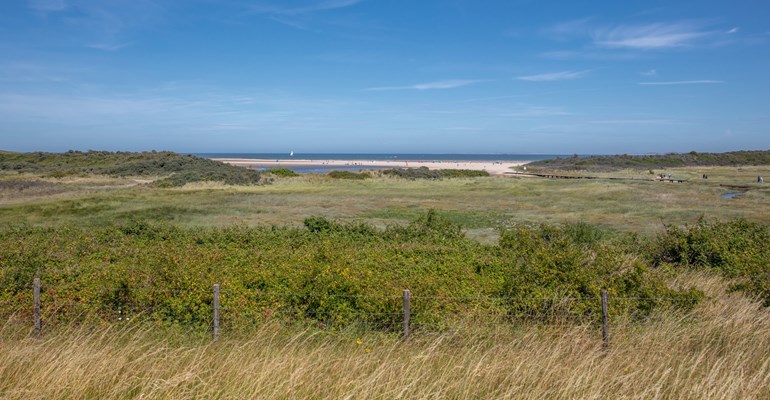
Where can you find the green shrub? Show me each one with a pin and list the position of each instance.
(427, 173)
(555, 273)
(462, 173)
(318, 224)
(737, 249)
(413, 173)
(348, 175)
(282, 172)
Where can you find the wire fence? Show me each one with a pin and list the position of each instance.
(223, 311)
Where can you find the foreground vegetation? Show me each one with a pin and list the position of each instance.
(332, 274)
(338, 275)
(721, 352)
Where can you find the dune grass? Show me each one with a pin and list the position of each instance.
(720, 352)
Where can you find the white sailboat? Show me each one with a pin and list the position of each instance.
(291, 154)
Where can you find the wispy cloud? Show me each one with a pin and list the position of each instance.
(554, 76)
(636, 122)
(290, 22)
(308, 8)
(47, 5)
(102, 25)
(697, 82)
(108, 46)
(24, 71)
(649, 36)
(537, 111)
(651, 72)
(569, 29)
(447, 84)
(601, 55)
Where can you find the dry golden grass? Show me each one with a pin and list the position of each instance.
(721, 351)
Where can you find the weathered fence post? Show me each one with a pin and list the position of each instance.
(36, 301)
(407, 315)
(605, 322)
(216, 311)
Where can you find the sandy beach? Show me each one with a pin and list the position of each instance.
(492, 167)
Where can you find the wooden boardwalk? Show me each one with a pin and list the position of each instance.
(609, 178)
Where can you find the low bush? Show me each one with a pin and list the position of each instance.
(348, 175)
(737, 249)
(282, 172)
(427, 173)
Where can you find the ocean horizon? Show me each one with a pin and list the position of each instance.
(417, 157)
(385, 156)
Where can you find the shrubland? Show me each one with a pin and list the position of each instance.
(336, 274)
(172, 169)
(653, 161)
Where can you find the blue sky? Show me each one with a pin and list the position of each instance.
(451, 76)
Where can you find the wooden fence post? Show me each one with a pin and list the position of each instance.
(216, 311)
(605, 322)
(36, 301)
(407, 314)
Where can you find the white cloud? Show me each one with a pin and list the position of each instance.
(651, 72)
(698, 82)
(554, 76)
(650, 36)
(303, 9)
(447, 84)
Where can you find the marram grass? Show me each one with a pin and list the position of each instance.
(721, 351)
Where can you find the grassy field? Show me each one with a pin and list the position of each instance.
(480, 205)
(716, 350)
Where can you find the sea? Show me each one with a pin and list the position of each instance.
(376, 157)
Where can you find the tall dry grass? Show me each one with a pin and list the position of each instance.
(720, 351)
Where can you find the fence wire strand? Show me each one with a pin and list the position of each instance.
(242, 310)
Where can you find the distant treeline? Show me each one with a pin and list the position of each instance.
(599, 163)
(176, 169)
